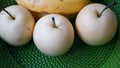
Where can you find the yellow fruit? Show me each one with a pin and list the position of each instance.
(38, 15)
(64, 7)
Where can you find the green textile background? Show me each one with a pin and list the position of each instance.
(79, 56)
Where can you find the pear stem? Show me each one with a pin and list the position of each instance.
(8, 14)
(53, 19)
(108, 6)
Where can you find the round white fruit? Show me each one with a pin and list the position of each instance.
(53, 38)
(94, 29)
(17, 31)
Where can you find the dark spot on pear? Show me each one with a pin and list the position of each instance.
(28, 29)
(20, 39)
(61, 0)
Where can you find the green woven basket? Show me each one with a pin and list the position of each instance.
(79, 56)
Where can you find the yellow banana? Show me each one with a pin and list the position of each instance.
(64, 7)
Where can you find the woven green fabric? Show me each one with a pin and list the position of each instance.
(79, 56)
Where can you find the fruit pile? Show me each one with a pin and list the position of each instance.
(49, 25)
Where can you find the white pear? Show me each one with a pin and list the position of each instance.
(16, 25)
(96, 28)
(53, 35)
